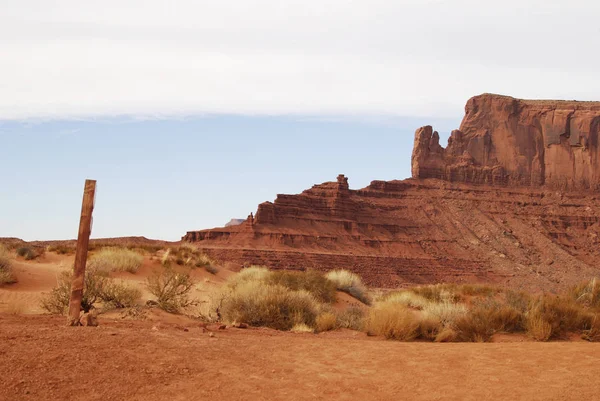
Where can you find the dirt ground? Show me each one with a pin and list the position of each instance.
(42, 359)
(173, 357)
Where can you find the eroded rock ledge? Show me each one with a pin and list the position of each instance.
(507, 141)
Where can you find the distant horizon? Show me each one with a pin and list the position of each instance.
(133, 161)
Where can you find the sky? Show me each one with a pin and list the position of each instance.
(189, 113)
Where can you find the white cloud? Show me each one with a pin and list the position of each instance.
(66, 59)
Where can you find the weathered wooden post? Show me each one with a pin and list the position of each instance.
(83, 240)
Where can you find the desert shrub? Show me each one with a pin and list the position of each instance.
(119, 295)
(406, 298)
(351, 318)
(587, 293)
(211, 269)
(311, 281)
(561, 315)
(27, 253)
(326, 321)
(171, 289)
(6, 273)
(57, 301)
(116, 259)
(350, 283)
(302, 328)
(258, 304)
(445, 311)
(393, 322)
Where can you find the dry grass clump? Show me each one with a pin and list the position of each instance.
(551, 317)
(407, 298)
(252, 273)
(593, 333)
(446, 335)
(326, 321)
(302, 328)
(445, 311)
(116, 259)
(538, 328)
(311, 281)
(275, 306)
(61, 249)
(587, 294)
(171, 289)
(350, 283)
(351, 318)
(438, 316)
(6, 274)
(454, 292)
(393, 322)
(203, 260)
(487, 318)
(437, 292)
(187, 254)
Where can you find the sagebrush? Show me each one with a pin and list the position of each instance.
(171, 289)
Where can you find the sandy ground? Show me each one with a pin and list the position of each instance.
(173, 357)
(41, 359)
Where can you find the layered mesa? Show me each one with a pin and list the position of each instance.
(511, 200)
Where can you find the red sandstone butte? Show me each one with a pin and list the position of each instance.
(512, 200)
(507, 141)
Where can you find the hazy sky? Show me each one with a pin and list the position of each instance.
(191, 112)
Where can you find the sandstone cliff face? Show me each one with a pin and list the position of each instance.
(411, 232)
(507, 141)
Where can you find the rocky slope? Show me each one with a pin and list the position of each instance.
(511, 200)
